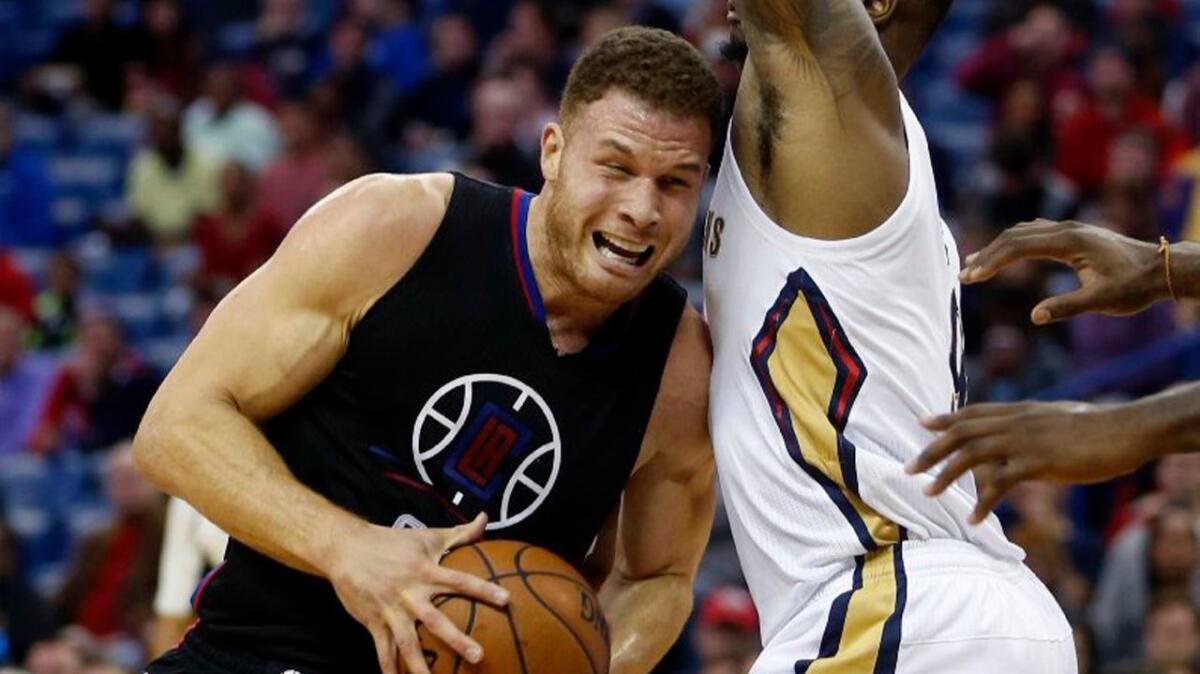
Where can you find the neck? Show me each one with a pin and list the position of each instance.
(571, 316)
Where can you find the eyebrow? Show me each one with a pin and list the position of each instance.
(691, 166)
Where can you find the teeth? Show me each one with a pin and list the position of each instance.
(635, 248)
(612, 254)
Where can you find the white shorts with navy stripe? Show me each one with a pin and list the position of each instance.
(925, 608)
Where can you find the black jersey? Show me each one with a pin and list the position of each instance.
(451, 400)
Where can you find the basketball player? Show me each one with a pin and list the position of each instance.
(832, 295)
(1004, 444)
(433, 351)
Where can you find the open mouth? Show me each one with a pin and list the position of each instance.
(632, 254)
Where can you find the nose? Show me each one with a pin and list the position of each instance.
(641, 206)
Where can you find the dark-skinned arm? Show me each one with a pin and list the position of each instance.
(1118, 275)
(1073, 443)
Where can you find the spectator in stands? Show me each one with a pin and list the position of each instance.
(170, 183)
(347, 161)
(56, 306)
(16, 291)
(24, 617)
(101, 51)
(1171, 639)
(109, 589)
(493, 151)
(1063, 555)
(287, 43)
(1016, 184)
(1085, 140)
(226, 125)
(398, 46)
(99, 396)
(727, 637)
(1042, 47)
(297, 179)
(238, 236)
(173, 50)
(26, 191)
(24, 383)
(530, 36)
(1145, 561)
(54, 657)
(1149, 31)
(443, 98)
(364, 96)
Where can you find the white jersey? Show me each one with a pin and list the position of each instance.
(827, 353)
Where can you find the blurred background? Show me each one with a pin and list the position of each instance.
(154, 152)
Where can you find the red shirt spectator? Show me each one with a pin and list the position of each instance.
(97, 399)
(1040, 48)
(238, 237)
(1085, 140)
(297, 180)
(15, 289)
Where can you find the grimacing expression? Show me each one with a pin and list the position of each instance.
(626, 186)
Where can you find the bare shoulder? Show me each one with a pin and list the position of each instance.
(359, 240)
(678, 430)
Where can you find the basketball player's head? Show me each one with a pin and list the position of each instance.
(905, 27)
(625, 163)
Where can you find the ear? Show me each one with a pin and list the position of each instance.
(553, 144)
(881, 11)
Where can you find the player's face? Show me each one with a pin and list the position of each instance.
(626, 186)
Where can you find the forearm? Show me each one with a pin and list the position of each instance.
(646, 617)
(1185, 271)
(219, 461)
(1170, 421)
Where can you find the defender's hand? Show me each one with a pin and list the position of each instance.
(1004, 444)
(1118, 276)
(387, 579)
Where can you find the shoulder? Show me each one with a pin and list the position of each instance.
(357, 242)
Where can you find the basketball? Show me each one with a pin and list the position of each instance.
(552, 624)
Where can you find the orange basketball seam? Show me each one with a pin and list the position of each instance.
(538, 598)
(512, 626)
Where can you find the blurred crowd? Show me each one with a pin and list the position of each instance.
(154, 152)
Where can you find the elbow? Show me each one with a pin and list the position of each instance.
(148, 444)
(158, 442)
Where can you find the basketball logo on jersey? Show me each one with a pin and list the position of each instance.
(491, 442)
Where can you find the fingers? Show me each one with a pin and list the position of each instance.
(992, 491)
(465, 533)
(976, 453)
(943, 422)
(441, 627)
(1040, 240)
(385, 649)
(404, 633)
(1065, 306)
(468, 585)
(961, 428)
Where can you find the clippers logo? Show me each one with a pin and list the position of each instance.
(492, 442)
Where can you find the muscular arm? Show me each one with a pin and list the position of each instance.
(817, 111)
(1004, 444)
(274, 338)
(271, 341)
(1117, 275)
(666, 513)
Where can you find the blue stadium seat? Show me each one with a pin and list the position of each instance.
(120, 270)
